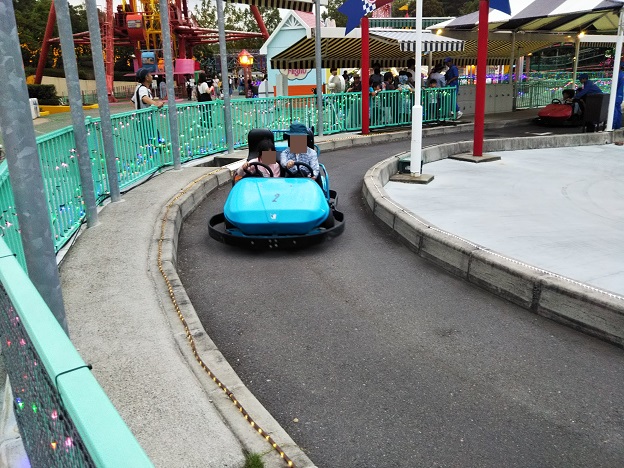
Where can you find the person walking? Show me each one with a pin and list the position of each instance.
(452, 79)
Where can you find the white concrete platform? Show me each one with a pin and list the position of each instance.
(559, 209)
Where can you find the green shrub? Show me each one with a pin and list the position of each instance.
(45, 94)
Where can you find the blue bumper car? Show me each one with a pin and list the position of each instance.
(278, 212)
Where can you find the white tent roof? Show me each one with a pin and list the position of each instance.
(552, 15)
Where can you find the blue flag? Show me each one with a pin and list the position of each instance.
(501, 5)
(355, 10)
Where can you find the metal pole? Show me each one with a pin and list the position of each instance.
(511, 68)
(319, 65)
(616, 72)
(417, 110)
(227, 106)
(364, 77)
(77, 115)
(171, 105)
(577, 50)
(102, 96)
(22, 158)
(482, 55)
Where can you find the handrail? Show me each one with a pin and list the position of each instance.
(62, 411)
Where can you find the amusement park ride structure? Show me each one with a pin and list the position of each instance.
(137, 24)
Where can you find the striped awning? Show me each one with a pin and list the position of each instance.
(430, 42)
(297, 5)
(340, 52)
(389, 48)
(548, 16)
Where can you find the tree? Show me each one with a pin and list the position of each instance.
(469, 7)
(431, 8)
(236, 19)
(333, 13)
(31, 17)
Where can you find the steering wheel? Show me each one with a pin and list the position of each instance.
(298, 165)
(257, 173)
(556, 101)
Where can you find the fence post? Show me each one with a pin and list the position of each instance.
(77, 115)
(25, 170)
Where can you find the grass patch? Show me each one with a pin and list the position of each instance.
(253, 460)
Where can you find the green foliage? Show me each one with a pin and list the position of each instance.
(333, 13)
(45, 94)
(236, 19)
(253, 460)
(431, 8)
(469, 7)
(31, 17)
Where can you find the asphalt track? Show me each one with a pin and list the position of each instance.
(369, 356)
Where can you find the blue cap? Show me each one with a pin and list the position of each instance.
(297, 128)
(447, 59)
(583, 76)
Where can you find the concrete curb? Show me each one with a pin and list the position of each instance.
(249, 438)
(580, 306)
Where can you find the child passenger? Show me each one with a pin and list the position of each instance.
(568, 98)
(267, 156)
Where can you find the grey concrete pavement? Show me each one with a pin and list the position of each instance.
(559, 209)
(123, 322)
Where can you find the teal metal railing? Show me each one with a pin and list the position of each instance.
(142, 144)
(64, 416)
(539, 93)
(142, 140)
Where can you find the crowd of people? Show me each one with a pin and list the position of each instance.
(444, 74)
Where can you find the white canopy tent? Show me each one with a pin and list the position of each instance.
(555, 20)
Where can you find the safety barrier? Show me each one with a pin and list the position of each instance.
(142, 142)
(64, 416)
(539, 93)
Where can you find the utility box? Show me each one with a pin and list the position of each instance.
(34, 108)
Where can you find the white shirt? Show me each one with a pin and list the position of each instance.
(143, 91)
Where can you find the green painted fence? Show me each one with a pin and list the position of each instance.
(64, 417)
(142, 143)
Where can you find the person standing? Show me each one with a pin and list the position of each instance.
(589, 87)
(162, 87)
(154, 85)
(356, 87)
(190, 84)
(452, 79)
(336, 83)
(619, 98)
(376, 78)
(436, 74)
(142, 97)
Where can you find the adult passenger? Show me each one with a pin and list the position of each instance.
(299, 151)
